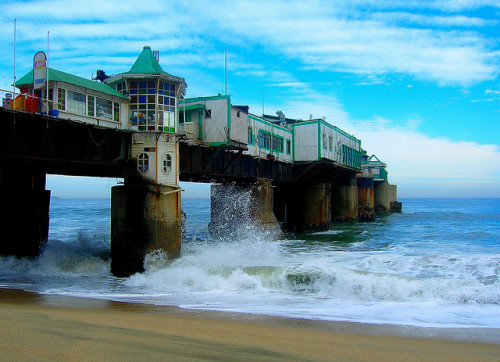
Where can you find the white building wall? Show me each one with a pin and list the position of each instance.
(146, 143)
(239, 126)
(216, 127)
(306, 141)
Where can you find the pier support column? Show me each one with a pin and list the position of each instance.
(304, 207)
(144, 218)
(366, 199)
(24, 212)
(382, 196)
(235, 205)
(345, 203)
(395, 205)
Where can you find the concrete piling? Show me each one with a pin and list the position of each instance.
(233, 205)
(304, 207)
(144, 218)
(345, 203)
(24, 212)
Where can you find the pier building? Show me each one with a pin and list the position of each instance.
(138, 125)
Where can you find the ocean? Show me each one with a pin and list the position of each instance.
(437, 264)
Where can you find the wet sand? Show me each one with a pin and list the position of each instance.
(41, 327)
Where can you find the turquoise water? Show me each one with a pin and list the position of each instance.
(435, 265)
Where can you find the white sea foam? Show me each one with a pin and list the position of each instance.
(362, 276)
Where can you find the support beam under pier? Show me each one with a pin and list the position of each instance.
(144, 218)
(24, 212)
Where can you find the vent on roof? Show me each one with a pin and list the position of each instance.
(156, 54)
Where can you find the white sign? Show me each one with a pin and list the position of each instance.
(39, 70)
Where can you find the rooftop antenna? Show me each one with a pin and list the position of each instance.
(225, 71)
(263, 101)
(14, 84)
(47, 70)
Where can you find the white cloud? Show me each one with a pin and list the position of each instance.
(432, 20)
(424, 166)
(329, 36)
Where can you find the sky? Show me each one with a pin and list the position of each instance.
(417, 81)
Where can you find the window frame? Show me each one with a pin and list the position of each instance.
(143, 162)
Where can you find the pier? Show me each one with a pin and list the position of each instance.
(138, 125)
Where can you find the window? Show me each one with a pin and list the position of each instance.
(167, 163)
(324, 140)
(238, 114)
(143, 162)
(143, 102)
(90, 106)
(208, 113)
(121, 87)
(264, 139)
(61, 99)
(104, 108)
(76, 102)
(250, 136)
(330, 143)
(288, 146)
(167, 119)
(277, 143)
(116, 111)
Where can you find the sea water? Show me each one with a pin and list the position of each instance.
(437, 264)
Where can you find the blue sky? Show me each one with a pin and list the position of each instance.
(417, 81)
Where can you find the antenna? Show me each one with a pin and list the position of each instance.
(263, 101)
(14, 86)
(225, 71)
(47, 70)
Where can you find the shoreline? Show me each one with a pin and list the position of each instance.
(103, 330)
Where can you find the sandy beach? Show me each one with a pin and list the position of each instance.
(41, 327)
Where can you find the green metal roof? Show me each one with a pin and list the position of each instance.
(191, 107)
(375, 161)
(58, 76)
(146, 63)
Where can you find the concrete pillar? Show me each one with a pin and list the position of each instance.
(393, 193)
(395, 206)
(366, 199)
(304, 207)
(345, 203)
(144, 218)
(382, 197)
(261, 207)
(237, 205)
(24, 212)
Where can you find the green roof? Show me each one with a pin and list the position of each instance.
(374, 160)
(146, 63)
(191, 107)
(58, 76)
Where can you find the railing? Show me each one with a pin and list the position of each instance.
(33, 104)
(27, 103)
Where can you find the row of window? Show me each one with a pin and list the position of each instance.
(351, 157)
(87, 105)
(328, 145)
(143, 162)
(269, 141)
(149, 105)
